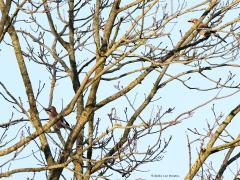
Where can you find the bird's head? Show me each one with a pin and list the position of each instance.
(194, 20)
(51, 109)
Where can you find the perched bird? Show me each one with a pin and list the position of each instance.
(62, 123)
(201, 24)
(204, 29)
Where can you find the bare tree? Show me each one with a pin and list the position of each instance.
(102, 54)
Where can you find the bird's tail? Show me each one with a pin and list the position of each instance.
(66, 125)
(216, 35)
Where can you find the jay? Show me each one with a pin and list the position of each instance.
(62, 123)
(204, 29)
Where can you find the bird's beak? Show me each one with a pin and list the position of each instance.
(46, 109)
(190, 21)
